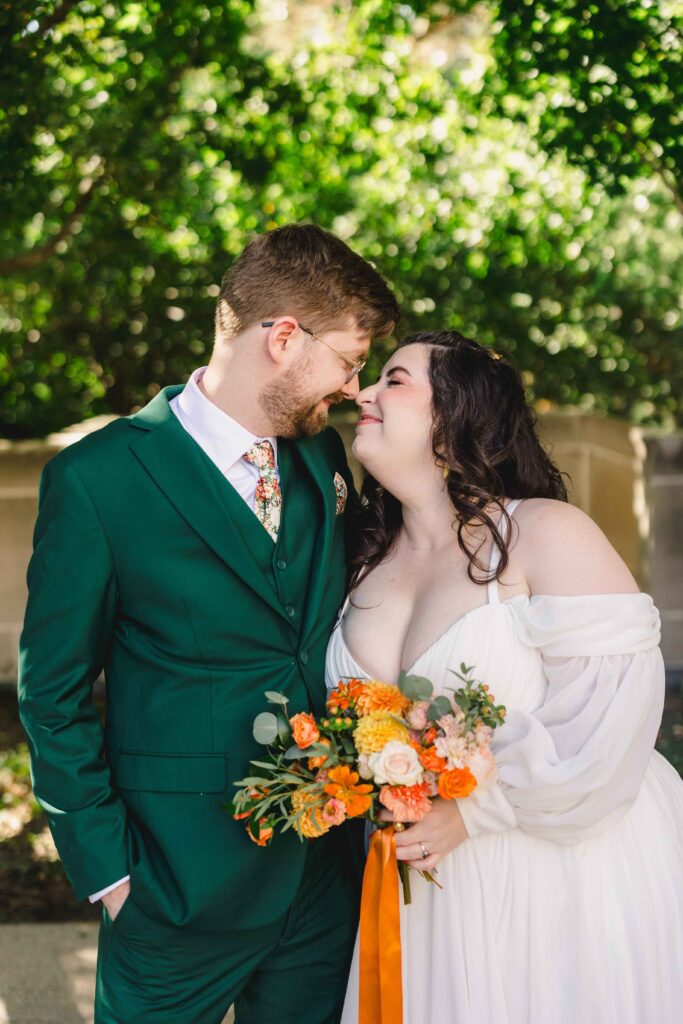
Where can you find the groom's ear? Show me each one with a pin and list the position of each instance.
(283, 339)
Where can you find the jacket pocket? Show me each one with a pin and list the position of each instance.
(171, 773)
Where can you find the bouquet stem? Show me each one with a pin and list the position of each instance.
(404, 873)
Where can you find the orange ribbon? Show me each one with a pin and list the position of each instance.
(381, 990)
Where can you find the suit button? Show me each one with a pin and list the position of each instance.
(281, 564)
(291, 610)
(303, 657)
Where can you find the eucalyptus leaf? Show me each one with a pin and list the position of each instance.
(265, 728)
(439, 707)
(284, 729)
(276, 698)
(294, 752)
(415, 687)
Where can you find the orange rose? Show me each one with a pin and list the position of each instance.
(304, 730)
(344, 786)
(457, 782)
(430, 735)
(318, 762)
(431, 760)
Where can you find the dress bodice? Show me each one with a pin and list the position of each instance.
(485, 637)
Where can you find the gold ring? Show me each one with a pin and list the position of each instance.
(399, 826)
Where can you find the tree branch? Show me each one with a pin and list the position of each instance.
(58, 15)
(42, 252)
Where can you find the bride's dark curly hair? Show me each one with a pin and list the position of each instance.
(484, 431)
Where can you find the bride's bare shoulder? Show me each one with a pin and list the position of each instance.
(563, 551)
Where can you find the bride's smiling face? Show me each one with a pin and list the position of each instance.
(394, 432)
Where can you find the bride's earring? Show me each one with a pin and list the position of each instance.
(445, 469)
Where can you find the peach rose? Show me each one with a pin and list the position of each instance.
(304, 730)
(417, 716)
(397, 764)
(482, 764)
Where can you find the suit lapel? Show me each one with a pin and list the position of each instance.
(310, 452)
(194, 486)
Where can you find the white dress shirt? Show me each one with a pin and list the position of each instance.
(225, 441)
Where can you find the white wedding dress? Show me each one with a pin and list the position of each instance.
(565, 905)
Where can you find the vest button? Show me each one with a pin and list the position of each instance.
(281, 564)
(291, 610)
(303, 657)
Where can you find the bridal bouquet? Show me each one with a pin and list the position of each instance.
(378, 746)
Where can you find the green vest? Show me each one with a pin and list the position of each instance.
(148, 565)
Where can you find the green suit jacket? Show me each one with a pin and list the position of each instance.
(148, 565)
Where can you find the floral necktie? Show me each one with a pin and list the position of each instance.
(268, 505)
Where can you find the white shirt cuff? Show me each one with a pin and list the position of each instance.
(103, 892)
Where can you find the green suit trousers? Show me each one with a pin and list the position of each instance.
(292, 971)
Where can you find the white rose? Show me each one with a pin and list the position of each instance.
(364, 769)
(396, 765)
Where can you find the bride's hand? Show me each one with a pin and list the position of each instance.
(439, 832)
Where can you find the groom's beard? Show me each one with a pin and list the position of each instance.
(289, 407)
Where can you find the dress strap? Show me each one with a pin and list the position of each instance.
(492, 587)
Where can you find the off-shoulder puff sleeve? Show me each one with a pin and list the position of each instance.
(574, 766)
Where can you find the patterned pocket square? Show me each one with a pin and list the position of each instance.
(342, 492)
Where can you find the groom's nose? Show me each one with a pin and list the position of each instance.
(351, 389)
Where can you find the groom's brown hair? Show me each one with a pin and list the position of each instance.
(309, 273)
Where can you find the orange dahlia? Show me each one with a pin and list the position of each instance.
(344, 785)
(378, 696)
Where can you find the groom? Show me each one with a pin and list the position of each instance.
(195, 553)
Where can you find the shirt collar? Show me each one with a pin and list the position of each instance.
(223, 439)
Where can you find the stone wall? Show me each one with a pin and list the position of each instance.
(629, 482)
(663, 539)
(21, 463)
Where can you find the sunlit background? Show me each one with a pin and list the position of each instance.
(513, 168)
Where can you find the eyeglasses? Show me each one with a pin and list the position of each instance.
(356, 364)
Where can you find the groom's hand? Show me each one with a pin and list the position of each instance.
(115, 899)
(437, 834)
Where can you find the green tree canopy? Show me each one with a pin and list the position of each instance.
(145, 144)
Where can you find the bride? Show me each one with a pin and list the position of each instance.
(562, 896)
